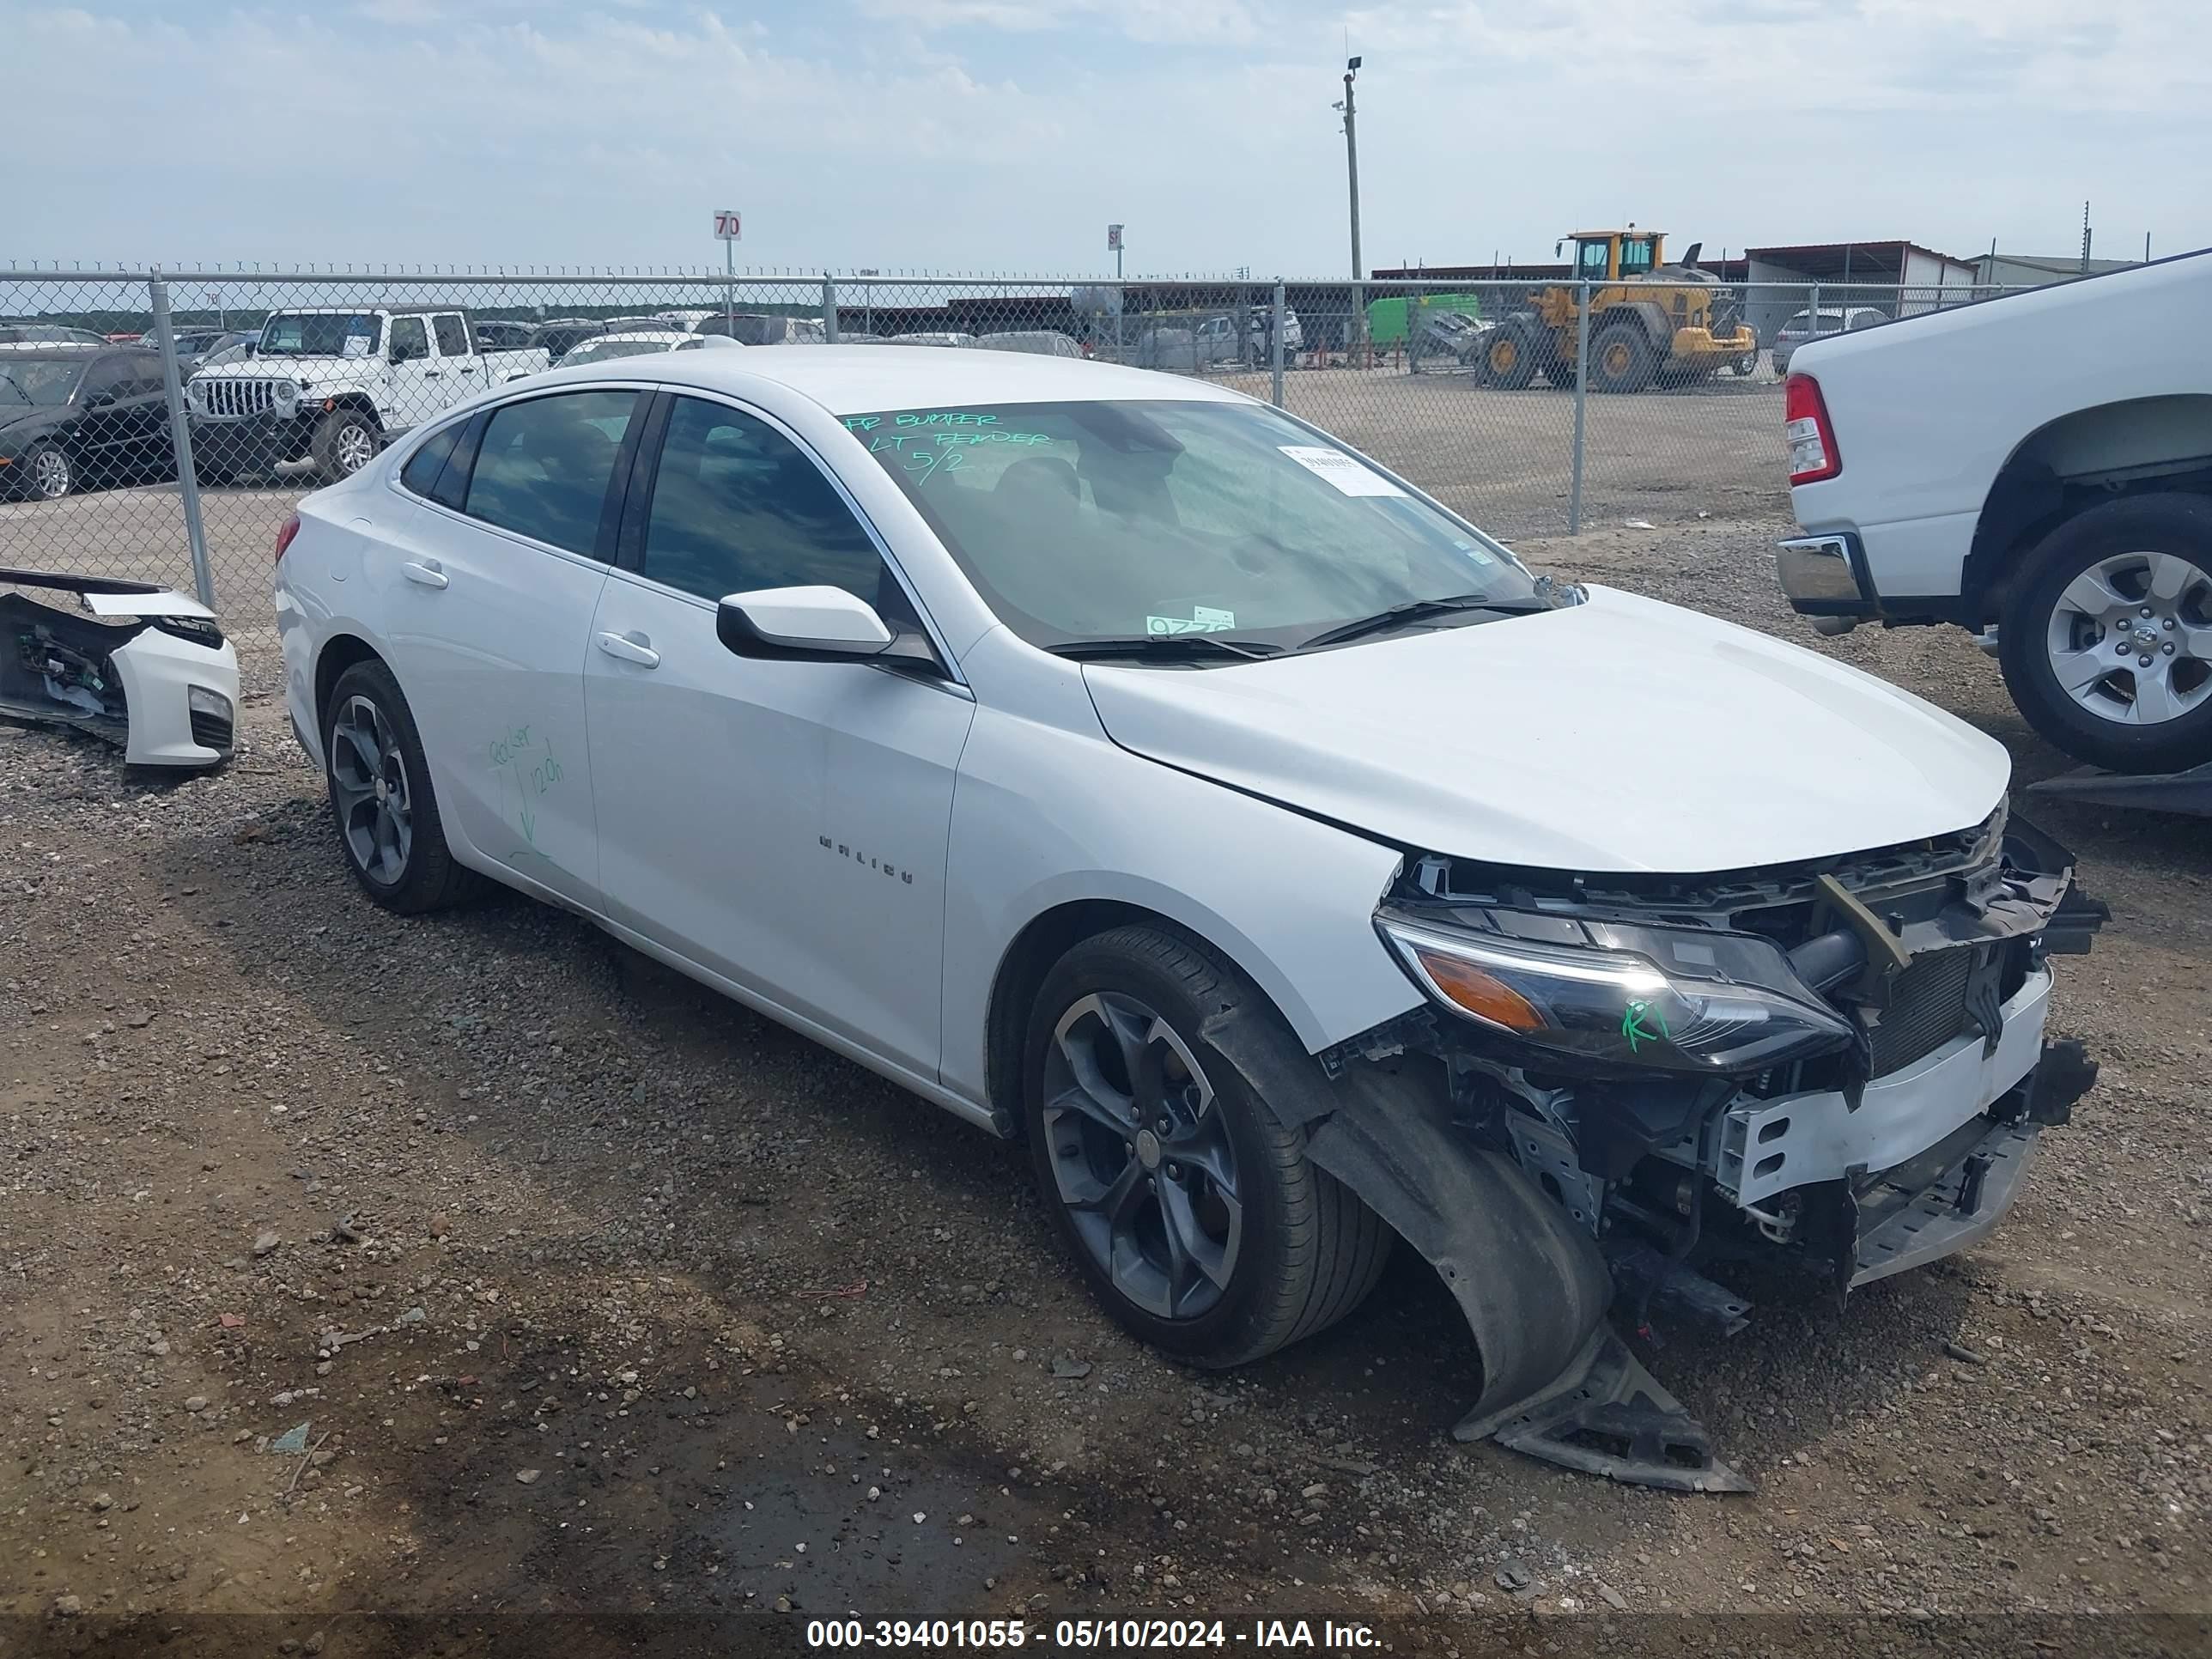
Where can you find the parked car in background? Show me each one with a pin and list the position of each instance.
(934, 337)
(687, 319)
(195, 346)
(333, 383)
(74, 418)
(758, 328)
(31, 332)
(1056, 740)
(2037, 468)
(557, 337)
(642, 342)
(1041, 342)
(504, 334)
(1833, 319)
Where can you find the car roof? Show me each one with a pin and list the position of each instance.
(70, 351)
(854, 379)
(636, 334)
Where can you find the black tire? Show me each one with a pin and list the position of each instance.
(1511, 355)
(426, 876)
(2176, 525)
(1305, 1251)
(1622, 358)
(345, 440)
(48, 472)
(1745, 365)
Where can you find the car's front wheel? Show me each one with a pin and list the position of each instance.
(49, 472)
(2106, 635)
(381, 799)
(1191, 1212)
(345, 440)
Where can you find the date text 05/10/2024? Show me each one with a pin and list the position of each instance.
(1086, 1635)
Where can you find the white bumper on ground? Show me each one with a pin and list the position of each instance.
(182, 698)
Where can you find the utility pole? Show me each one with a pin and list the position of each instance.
(1358, 329)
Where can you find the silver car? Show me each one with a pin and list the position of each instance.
(1834, 320)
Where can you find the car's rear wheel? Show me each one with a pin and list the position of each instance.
(51, 475)
(381, 798)
(1190, 1211)
(2106, 635)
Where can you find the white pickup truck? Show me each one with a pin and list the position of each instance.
(2036, 468)
(333, 383)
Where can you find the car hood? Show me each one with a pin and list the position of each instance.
(1616, 735)
(290, 368)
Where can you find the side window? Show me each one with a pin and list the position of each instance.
(106, 380)
(542, 466)
(1635, 255)
(452, 338)
(736, 506)
(409, 339)
(420, 475)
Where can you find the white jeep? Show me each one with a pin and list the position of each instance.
(332, 384)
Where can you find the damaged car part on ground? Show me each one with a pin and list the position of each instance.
(147, 669)
(1121, 764)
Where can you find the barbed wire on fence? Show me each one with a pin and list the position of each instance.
(1488, 394)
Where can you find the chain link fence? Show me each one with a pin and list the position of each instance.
(1508, 400)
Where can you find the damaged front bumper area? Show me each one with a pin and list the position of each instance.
(1624, 1080)
(137, 665)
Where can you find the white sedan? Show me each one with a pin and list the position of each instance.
(1116, 761)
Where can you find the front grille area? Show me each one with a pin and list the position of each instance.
(211, 731)
(233, 400)
(1927, 1008)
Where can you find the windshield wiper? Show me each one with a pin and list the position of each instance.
(14, 385)
(1415, 610)
(1164, 647)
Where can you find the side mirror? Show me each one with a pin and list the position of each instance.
(812, 624)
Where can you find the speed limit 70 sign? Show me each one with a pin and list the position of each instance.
(726, 225)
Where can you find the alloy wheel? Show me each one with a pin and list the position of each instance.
(368, 775)
(50, 475)
(1140, 1149)
(355, 448)
(2130, 638)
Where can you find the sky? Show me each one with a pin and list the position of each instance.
(1003, 135)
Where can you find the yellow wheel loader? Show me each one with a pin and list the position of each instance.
(1650, 323)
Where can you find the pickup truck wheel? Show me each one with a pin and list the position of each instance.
(2106, 637)
(1191, 1213)
(345, 442)
(1622, 359)
(381, 799)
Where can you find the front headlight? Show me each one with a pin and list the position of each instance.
(286, 391)
(1684, 999)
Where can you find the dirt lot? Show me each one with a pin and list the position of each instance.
(600, 1311)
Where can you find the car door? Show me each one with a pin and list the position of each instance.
(143, 405)
(98, 436)
(413, 393)
(486, 595)
(460, 367)
(781, 824)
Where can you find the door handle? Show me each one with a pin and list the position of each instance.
(427, 573)
(630, 647)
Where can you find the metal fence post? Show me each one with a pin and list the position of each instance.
(828, 308)
(1582, 398)
(1813, 314)
(180, 440)
(1275, 346)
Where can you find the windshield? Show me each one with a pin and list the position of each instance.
(1109, 521)
(319, 334)
(592, 350)
(45, 380)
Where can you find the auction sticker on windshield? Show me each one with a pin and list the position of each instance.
(1340, 469)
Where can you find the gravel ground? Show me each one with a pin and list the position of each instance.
(474, 1269)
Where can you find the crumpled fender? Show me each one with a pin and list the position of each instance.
(1534, 1287)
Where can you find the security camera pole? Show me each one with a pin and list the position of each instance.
(1358, 330)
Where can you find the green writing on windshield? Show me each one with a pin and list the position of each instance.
(940, 417)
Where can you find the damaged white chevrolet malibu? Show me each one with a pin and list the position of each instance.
(1125, 764)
